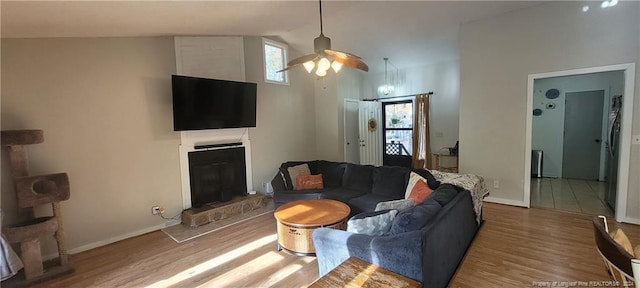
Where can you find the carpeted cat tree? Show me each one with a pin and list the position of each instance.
(32, 191)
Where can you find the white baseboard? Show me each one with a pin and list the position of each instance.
(505, 201)
(113, 239)
(631, 220)
(122, 237)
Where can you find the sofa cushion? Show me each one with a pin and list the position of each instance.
(305, 182)
(444, 194)
(368, 202)
(331, 173)
(433, 183)
(358, 177)
(389, 180)
(399, 205)
(313, 168)
(415, 218)
(372, 223)
(299, 170)
(341, 194)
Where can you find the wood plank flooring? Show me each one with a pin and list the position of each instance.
(242, 255)
(515, 247)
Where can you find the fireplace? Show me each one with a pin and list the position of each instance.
(217, 175)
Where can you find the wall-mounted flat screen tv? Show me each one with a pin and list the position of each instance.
(201, 103)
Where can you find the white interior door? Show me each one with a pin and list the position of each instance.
(351, 131)
(370, 115)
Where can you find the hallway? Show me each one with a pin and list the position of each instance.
(573, 195)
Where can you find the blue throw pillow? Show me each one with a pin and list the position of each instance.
(372, 223)
(415, 218)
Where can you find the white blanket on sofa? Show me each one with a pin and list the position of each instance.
(10, 263)
(474, 183)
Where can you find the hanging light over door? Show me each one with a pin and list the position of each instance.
(386, 88)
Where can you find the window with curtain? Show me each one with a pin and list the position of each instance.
(398, 128)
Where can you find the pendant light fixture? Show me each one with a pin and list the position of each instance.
(386, 88)
(325, 58)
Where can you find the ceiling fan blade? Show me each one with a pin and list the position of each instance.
(299, 60)
(354, 63)
(357, 63)
(348, 59)
(341, 54)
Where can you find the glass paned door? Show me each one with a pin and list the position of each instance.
(398, 133)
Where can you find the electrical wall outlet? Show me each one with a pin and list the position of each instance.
(496, 184)
(155, 210)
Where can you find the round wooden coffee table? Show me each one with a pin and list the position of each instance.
(297, 220)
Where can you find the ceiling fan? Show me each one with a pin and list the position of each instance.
(325, 58)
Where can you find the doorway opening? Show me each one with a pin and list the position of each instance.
(575, 160)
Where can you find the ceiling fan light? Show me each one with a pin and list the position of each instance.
(309, 65)
(324, 64)
(321, 72)
(336, 66)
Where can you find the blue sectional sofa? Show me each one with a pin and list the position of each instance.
(427, 242)
(359, 186)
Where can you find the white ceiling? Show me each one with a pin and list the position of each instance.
(409, 33)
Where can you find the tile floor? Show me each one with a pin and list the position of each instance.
(580, 196)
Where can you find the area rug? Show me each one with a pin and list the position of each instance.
(181, 233)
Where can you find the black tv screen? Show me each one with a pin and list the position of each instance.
(201, 103)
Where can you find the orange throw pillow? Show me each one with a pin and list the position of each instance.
(304, 182)
(420, 192)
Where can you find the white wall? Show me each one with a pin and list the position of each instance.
(441, 78)
(499, 53)
(285, 127)
(330, 92)
(548, 128)
(326, 118)
(349, 87)
(105, 108)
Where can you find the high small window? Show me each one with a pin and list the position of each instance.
(275, 59)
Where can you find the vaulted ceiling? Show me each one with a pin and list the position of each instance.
(409, 33)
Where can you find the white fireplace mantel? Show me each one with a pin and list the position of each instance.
(191, 139)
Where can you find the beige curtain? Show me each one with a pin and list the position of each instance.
(421, 144)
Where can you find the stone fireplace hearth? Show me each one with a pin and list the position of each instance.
(195, 217)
